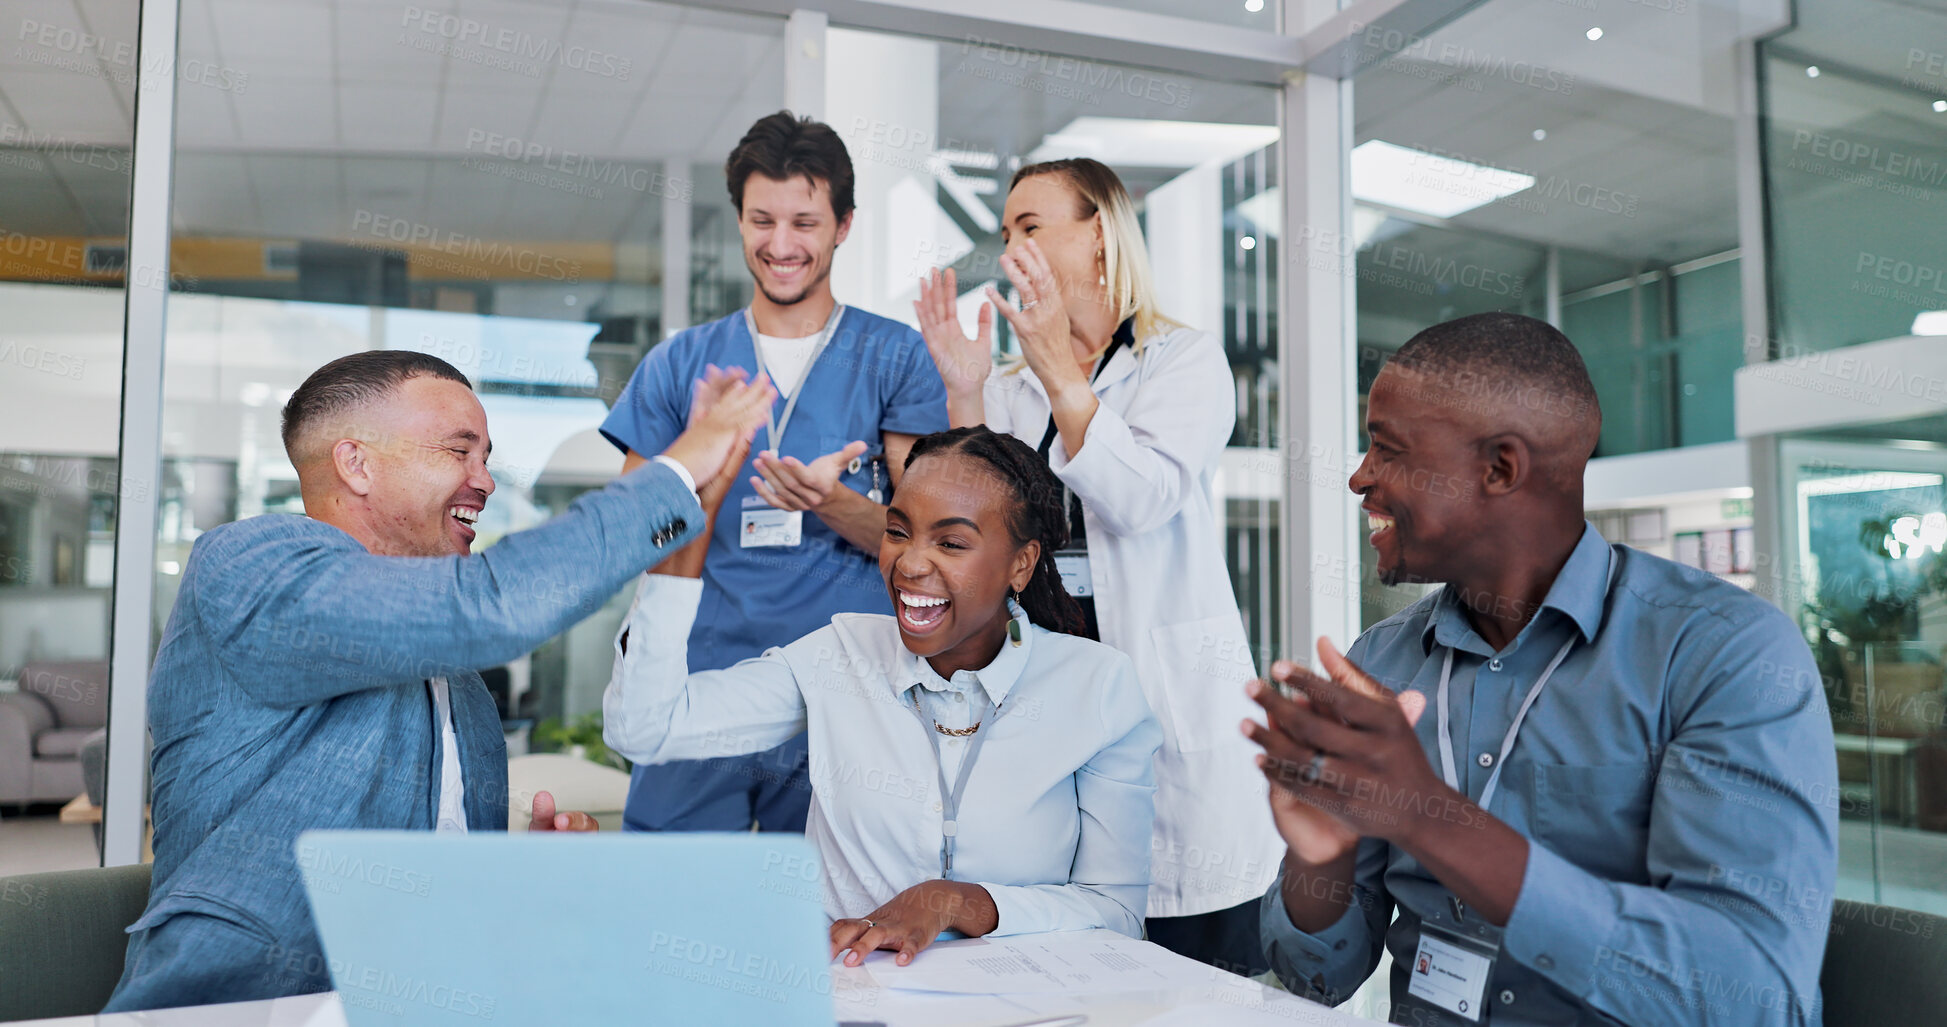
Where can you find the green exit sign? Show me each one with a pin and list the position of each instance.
(1736, 508)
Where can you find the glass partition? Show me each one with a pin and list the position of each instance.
(1571, 162)
(1855, 147)
(1865, 529)
(67, 90)
(937, 129)
(532, 192)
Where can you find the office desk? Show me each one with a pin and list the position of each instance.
(1232, 1002)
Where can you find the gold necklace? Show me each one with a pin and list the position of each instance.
(957, 732)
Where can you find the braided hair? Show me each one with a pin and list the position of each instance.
(1040, 514)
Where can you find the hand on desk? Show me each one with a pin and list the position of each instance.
(1335, 752)
(914, 918)
(546, 819)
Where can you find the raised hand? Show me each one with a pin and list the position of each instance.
(791, 484)
(1041, 322)
(964, 363)
(705, 390)
(1319, 744)
(725, 410)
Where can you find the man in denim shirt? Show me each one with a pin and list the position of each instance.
(1621, 805)
(318, 672)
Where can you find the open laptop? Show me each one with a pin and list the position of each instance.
(423, 928)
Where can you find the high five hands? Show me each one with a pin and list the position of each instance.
(725, 413)
(1341, 755)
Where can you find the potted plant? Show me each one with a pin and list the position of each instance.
(581, 738)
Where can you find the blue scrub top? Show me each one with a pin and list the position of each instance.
(875, 376)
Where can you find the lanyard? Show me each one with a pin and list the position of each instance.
(1077, 528)
(950, 799)
(790, 405)
(1507, 743)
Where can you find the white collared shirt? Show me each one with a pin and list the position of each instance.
(452, 784)
(1055, 822)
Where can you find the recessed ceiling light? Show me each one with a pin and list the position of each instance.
(1540, 134)
(1940, 106)
(1812, 71)
(1156, 144)
(1254, 6)
(1247, 243)
(1594, 33)
(1930, 322)
(1428, 183)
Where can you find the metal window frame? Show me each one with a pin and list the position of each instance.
(139, 467)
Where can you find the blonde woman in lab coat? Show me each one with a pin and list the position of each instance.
(1132, 412)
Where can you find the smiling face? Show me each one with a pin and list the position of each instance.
(417, 461)
(1048, 209)
(790, 234)
(949, 559)
(1420, 482)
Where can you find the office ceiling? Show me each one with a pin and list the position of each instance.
(295, 115)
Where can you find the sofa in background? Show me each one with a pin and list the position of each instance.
(44, 725)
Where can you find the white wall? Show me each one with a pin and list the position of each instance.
(882, 95)
(60, 369)
(1185, 225)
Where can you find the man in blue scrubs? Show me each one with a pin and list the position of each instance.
(797, 537)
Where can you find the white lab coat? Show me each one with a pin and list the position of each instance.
(1163, 595)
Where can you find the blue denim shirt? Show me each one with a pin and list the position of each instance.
(1676, 780)
(289, 691)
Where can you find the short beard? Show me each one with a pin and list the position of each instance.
(757, 279)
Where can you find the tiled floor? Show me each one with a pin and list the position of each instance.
(31, 844)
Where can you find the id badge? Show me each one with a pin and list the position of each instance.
(1073, 567)
(764, 525)
(1453, 969)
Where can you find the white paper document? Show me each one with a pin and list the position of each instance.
(1070, 962)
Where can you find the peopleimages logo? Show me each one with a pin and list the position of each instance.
(477, 42)
(1389, 43)
(468, 250)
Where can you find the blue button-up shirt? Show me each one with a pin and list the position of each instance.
(1676, 782)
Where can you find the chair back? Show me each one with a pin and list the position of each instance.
(62, 941)
(1883, 965)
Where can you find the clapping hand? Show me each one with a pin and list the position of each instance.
(1330, 749)
(1041, 322)
(792, 484)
